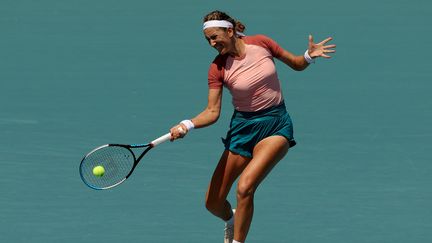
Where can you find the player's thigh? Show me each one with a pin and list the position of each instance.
(229, 168)
(266, 154)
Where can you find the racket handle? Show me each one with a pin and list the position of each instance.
(164, 138)
(161, 139)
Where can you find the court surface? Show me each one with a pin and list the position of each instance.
(78, 74)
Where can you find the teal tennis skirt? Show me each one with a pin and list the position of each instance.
(249, 128)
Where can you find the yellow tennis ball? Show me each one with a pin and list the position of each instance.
(98, 171)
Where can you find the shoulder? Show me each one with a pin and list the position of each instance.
(216, 71)
(257, 39)
(265, 42)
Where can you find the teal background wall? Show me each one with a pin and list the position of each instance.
(78, 74)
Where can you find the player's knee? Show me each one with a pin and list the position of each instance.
(245, 190)
(213, 205)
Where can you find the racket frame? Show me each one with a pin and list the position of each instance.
(148, 147)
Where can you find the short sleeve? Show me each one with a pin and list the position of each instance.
(216, 72)
(266, 42)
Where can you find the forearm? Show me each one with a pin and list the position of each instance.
(300, 63)
(206, 118)
(297, 63)
(211, 113)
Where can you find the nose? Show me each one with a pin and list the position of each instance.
(212, 43)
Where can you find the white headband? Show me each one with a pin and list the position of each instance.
(220, 23)
(217, 23)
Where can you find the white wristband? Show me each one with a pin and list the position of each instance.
(188, 123)
(308, 58)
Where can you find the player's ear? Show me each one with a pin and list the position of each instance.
(230, 32)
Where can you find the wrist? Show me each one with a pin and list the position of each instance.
(308, 58)
(188, 124)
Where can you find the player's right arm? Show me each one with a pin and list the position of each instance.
(212, 112)
(207, 117)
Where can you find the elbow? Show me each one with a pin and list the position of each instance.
(214, 117)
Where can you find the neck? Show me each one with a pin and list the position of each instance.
(238, 48)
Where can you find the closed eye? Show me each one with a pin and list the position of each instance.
(213, 37)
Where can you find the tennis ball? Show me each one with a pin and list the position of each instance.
(98, 171)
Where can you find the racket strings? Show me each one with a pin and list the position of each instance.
(117, 162)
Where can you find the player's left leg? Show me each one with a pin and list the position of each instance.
(266, 154)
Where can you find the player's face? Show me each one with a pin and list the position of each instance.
(219, 38)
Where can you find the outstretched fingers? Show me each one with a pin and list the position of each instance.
(310, 39)
(325, 41)
(320, 49)
(330, 46)
(328, 49)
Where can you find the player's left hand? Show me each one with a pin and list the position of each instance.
(320, 49)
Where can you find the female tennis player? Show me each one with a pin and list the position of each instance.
(261, 131)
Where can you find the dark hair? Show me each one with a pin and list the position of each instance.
(219, 15)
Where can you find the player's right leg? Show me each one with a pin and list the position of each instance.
(229, 168)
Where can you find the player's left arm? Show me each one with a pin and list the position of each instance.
(315, 50)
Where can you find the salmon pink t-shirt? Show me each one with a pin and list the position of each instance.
(252, 79)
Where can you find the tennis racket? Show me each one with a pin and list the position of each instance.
(117, 162)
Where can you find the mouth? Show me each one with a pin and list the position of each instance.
(219, 48)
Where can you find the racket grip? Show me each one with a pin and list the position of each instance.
(161, 139)
(164, 138)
